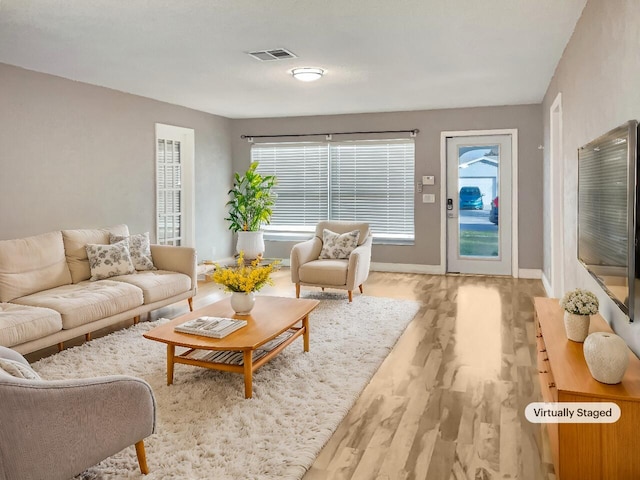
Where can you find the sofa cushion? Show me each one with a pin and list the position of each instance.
(109, 260)
(338, 245)
(158, 284)
(139, 248)
(324, 272)
(20, 323)
(85, 302)
(18, 370)
(32, 264)
(76, 253)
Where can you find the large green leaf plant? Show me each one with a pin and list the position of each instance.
(252, 197)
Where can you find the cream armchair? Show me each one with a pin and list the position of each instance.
(57, 429)
(345, 274)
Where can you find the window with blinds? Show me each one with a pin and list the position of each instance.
(169, 192)
(368, 181)
(301, 169)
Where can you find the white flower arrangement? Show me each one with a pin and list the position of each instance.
(580, 302)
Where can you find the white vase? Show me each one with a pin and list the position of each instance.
(576, 326)
(251, 243)
(607, 357)
(242, 302)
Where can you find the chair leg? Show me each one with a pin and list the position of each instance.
(136, 319)
(297, 290)
(190, 300)
(361, 289)
(87, 336)
(350, 296)
(61, 346)
(142, 457)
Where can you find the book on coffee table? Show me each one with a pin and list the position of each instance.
(214, 327)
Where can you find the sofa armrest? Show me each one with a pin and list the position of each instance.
(57, 429)
(302, 253)
(359, 264)
(176, 259)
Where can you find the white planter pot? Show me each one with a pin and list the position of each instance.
(251, 243)
(607, 357)
(242, 303)
(576, 326)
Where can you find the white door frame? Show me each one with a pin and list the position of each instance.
(556, 197)
(187, 138)
(514, 191)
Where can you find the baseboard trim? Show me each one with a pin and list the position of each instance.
(407, 268)
(534, 273)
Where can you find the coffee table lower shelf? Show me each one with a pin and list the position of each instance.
(247, 367)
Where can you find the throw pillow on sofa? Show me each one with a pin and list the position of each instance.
(139, 248)
(109, 260)
(336, 246)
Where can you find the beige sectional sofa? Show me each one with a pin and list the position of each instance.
(47, 297)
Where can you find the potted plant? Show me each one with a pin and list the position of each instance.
(250, 205)
(243, 281)
(578, 305)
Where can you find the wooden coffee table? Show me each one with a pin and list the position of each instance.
(270, 318)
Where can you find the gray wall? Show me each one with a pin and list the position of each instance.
(598, 78)
(75, 155)
(526, 118)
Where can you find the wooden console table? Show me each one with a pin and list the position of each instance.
(586, 451)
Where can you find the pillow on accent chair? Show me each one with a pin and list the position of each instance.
(139, 248)
(18, 370)
(336, 246)
(109, 260)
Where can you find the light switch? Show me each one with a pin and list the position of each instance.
(428, 198)
(428, 180)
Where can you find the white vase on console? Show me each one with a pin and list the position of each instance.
(607, 357)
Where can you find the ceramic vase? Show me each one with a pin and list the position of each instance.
(242, 302)
(607, 357)
(576, 326)
(251, 243)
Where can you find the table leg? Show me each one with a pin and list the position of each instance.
(248, 373)
(171, 351)
(305, 335)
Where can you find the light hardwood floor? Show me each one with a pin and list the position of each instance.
(448, 402)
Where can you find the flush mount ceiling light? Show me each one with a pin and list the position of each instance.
(307, 74)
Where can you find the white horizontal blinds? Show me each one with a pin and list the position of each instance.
(301, 169)
(602, 188)
(169, 192)
(373, 182)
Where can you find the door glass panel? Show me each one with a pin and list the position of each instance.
(478, 207)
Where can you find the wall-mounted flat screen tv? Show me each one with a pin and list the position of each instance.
(607, 214)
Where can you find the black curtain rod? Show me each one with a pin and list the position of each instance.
(415, 131)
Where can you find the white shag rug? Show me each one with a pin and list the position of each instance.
(206, 429)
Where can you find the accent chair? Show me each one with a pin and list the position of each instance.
(57, 429)
(311, 267)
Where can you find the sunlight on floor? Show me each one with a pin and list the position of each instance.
(477, 330)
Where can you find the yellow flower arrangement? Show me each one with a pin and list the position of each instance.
(245, 278)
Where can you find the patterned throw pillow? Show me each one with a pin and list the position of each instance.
(18, 370)
(109, 260)
(335, 245)
(139, 248)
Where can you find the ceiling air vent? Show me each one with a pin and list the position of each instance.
(274, 54)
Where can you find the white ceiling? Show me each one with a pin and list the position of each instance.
(380, 55)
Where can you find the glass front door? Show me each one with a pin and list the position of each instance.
(478, 204)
